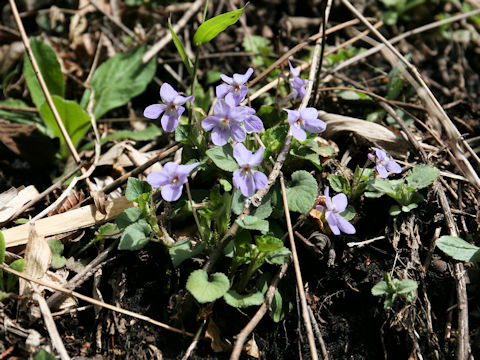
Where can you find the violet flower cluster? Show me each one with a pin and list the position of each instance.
(171, 179)
(229, 118)
(246, 179)
(171, 108)
(296, 82)
(305, 119)
(334, 206)
(385, 164)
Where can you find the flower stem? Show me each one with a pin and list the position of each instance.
(194, 211)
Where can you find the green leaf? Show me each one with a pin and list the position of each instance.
(128, 217)
(458, 248)
(301, 192)
(136, 187)
(226, 185)
(17, 265)
(222, 156)
(151, 132)
(57, 247)
(234, 299)
(22, 117)
(382, 186)
(338, 183)
(50, 69)
(268, 242)
(180, 48)
(394, 210)
(204, 289)
(238, 202)
(265, 208)
(406, 286)
(253, 223)
(422, 176)
(74, 118)
(135, 236)
(182, 250)
(353, 95)
(349, 213)
(214, 26)
(44, 355)
(279, 256)
(380, 288)
(120, 79)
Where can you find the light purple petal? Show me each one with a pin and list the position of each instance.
(293, 115)
(257, 158)
(153, 111)
(298, 133)
(382, 171)
(237, 178)
(246, 183)
(340, 202)
(315, 126)
(226, 79)
(238, 133)
(210, 122)
(381, 155)
(170, 122)
(242, 79)
(239, 96)
(344, 225)
(261, 179)
(171, 192)
(230, 100)
(393, 167)
(170, 169)
(222, 90)
(253, 124)
(328, 200)
(293, 71)
(158, 178)
(180, 100)
(302, 92)
(332, 222)
(167, 93)
(294, 93)
(309, 113)
(186, 169)
(221, 109)
(242, 155)
(220, 135)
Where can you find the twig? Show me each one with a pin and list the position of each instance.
(194, 7)
(194, 342)
(56, 298)
(43, 85)
(93, 301)
(318, 334)
(366, 242)
(298, 275)
(114, 20)
(262, 310)
(50, 325)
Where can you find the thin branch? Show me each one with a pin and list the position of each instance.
(298, 275)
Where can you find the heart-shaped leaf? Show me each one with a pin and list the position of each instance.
(204, 289)
(234, 299)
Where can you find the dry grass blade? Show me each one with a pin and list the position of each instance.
(375, 133)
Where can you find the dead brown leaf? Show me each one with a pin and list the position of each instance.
(213, 333)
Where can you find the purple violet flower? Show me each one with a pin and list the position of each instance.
(385, 164)
(297, 83)
(251, 122)
(305, 119)
(234, 85)
(171, 108)
(334, 206)
(246, 179)
(171, 179)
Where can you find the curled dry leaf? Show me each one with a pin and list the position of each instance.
(213, 333)
(375, 133)
(14, 199)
